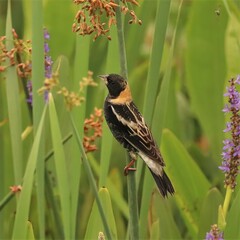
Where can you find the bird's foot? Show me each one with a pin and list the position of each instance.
(129, 167)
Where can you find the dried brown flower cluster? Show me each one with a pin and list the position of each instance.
(16, 188)
(73, 99)
(91, 18)
(87, 81)
(18, 56)
(49, 83)
(92, 130)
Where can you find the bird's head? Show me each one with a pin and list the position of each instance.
(115, 83)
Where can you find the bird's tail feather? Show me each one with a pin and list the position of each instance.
(164, 184)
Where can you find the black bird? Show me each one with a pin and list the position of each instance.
(129, 128)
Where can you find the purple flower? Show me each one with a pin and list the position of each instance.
(29, 88)
(48, 61)
(231, 147)
(214, 233)
(48, 66)
(46, 34)
(46, 47)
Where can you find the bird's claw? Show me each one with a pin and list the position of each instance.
(127, 169)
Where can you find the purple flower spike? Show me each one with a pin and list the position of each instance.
(48, 61)
(29, 88)
(231, 147)
(214, 234)
(46, 34)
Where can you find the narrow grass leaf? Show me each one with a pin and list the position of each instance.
(116, 196)
(38, 102)
(13, 103)
(95, 224)
(81, 67)
(107, 138)
(155, 107)
(209, 211)
(61, 167)
(161, 208)
(91, 180)
(23, 207)
(30, 233)
(205, 84)
(135, 34)
(232, 230)
(161, 22)
(189, 182)
(154, 230)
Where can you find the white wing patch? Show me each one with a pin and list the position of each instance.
(155, 167)
(132, 125)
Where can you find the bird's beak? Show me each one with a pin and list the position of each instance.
(104, 78)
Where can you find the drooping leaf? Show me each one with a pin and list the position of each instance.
(189, 182)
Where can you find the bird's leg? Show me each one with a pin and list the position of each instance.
(129, 166)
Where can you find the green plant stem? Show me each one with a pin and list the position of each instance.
(6, 199)
(121, 42)
(51, 152)
(53, 204)
(131, 181)
(91, 180)
(227, 201)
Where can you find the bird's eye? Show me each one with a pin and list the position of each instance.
(111, 82)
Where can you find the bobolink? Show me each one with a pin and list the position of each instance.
(129, 128)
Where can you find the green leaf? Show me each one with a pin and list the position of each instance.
(161, 210)
(30, 233)
(53, 11)
(107, 138)
(209, 211)
(154, 230)
(232, 230)
(91, 179)
(189, 182)
(116, 196)
(95, 225)
(61, 167)
(232, 46)
(206, 68)
(161, 22)
(13, 104)
(23, 207)
(221, 218)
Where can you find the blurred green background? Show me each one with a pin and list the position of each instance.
(179, 61)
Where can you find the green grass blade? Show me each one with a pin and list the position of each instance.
(233, 219)
(61, 167)
(116, 196)
(91, 180)
(81, 67)
(161, 22)
(38, 102)
(205, 84)
(209, 211)
(13, 102)
(107, 138)
(156, 113)
(189, 182)
(135, 33)
(162, 213)
(30, 233)
(23, 207)
(95, 225)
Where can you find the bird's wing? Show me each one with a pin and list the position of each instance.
(136, 131)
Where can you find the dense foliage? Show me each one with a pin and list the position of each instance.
(61, 171)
